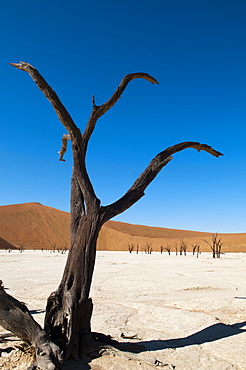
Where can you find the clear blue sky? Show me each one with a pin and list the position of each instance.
(195, 49)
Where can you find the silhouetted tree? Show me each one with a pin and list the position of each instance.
(21, 248)
(149, 248)
(176, 249)
(130, 247)
(67, 327)
(216, 245)
(195, 248)
(168, 249)
(144, 249)
(183, 247)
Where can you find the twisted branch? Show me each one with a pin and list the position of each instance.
(74, 132)
(98, 111)
(154, 167)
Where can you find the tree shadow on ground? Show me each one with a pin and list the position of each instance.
(209, 334)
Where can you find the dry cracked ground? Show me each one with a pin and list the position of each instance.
(183, 312)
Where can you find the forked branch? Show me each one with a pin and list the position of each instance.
(64, 116)
(154, 167)
(98, 111)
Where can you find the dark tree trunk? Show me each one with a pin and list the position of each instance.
(69, 308)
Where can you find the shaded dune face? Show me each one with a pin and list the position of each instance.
(34, 226)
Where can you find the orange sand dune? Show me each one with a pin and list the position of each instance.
(34, 226)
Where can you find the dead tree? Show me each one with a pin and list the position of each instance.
(137, 248)
(195, 248)
(21, 248)
(161, 248)
(67, 326)
(183, 247)
(149, 248)
(130, 247)
(176, 249)
(168, 249)
(144, 249)
(216, 245)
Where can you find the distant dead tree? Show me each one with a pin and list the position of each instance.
(168, 249)
(144, 249)
(64, 249)
(137, 248)
(161, 248)
(21, 248)
(67, 327)
(182, 247)
(195, 249)
(149, 248)
(130, 247)
(216, 245)
(176, 249)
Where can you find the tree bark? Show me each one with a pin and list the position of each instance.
(69, 308)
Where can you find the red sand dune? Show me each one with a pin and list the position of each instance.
(34, 226)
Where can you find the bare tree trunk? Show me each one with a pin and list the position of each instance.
(69, 309)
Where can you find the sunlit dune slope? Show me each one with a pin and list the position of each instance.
(34, 226)
(117, 235)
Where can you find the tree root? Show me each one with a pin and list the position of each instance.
(15, 317)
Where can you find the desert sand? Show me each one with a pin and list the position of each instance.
(186, 312)
(35, 226)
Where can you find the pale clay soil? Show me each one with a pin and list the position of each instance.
(189, 313)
